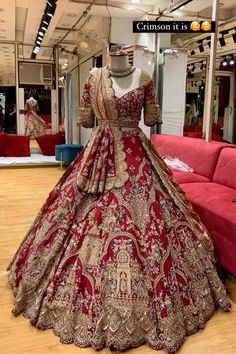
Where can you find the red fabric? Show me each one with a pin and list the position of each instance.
(226, 251)
(47, 118)
(188, 177)
(196, 135)
(3, 138)
(198, 154)
(128, 231)
(47, 143)
(224, 89)
(213, 203)
(192, 128)
(17, 145)
(225, 172)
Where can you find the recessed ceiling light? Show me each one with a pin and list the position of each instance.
(71, 15)
(83, 45)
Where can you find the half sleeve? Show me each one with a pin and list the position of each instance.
(86, 115)
(152, 114)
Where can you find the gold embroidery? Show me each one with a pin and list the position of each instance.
(176, 193)
(93, 182)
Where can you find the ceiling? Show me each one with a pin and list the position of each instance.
(20, 20)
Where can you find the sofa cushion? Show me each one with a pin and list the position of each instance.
(3, 138)
(188, 177)
(213, 203)
(200, 155)
(225, 250)
(17, 145)
(48, 142)
(225, 172)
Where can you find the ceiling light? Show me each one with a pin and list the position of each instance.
(51, 11)
(222, 41)
(209, 41)
(180, 5)
(225, 63)
(231, 62)
(44, 28)
(50, 3)
(38, 42)
(234, 36)
(135, 1)
(71, 15)
(45, 22)
(40, 38)
(41, 33)
(200, 46)
(83, 45)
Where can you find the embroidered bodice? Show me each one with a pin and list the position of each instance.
(103, 165)
(99, 100)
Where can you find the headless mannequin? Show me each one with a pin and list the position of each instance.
(119, 61)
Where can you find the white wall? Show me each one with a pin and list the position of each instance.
(122, 31)
(84, 73)
(173, 73)
(7, 80)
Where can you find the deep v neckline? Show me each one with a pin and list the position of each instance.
(126, 93)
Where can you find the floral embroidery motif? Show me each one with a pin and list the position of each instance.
(117, 257)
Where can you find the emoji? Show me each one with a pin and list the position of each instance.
(206, 26)
(195, 26)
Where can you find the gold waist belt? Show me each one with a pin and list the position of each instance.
(118, 123)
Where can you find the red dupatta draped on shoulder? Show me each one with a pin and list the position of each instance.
(103, 165)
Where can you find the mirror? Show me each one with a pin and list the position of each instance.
(37, 119)
(7, 88)
(223, 127)
(195, 94)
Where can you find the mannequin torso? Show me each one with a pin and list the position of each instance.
(130, 79)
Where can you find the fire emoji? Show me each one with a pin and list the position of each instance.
(195, 26)
(206, 26)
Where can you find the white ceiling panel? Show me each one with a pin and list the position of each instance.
(7, 20)
(20, 19)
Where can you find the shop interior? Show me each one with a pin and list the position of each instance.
(47, 49)
(53, 67)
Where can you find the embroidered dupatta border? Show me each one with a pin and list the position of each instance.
(178, 196)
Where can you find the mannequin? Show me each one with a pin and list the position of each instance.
(124, 77)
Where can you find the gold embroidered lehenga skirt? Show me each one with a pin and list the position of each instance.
(116, 257)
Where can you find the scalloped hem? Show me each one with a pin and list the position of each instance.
(111, 344)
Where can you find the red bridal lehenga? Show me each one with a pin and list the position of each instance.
(34, 125)
(116, 257)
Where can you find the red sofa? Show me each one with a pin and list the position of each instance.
(211, 187)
